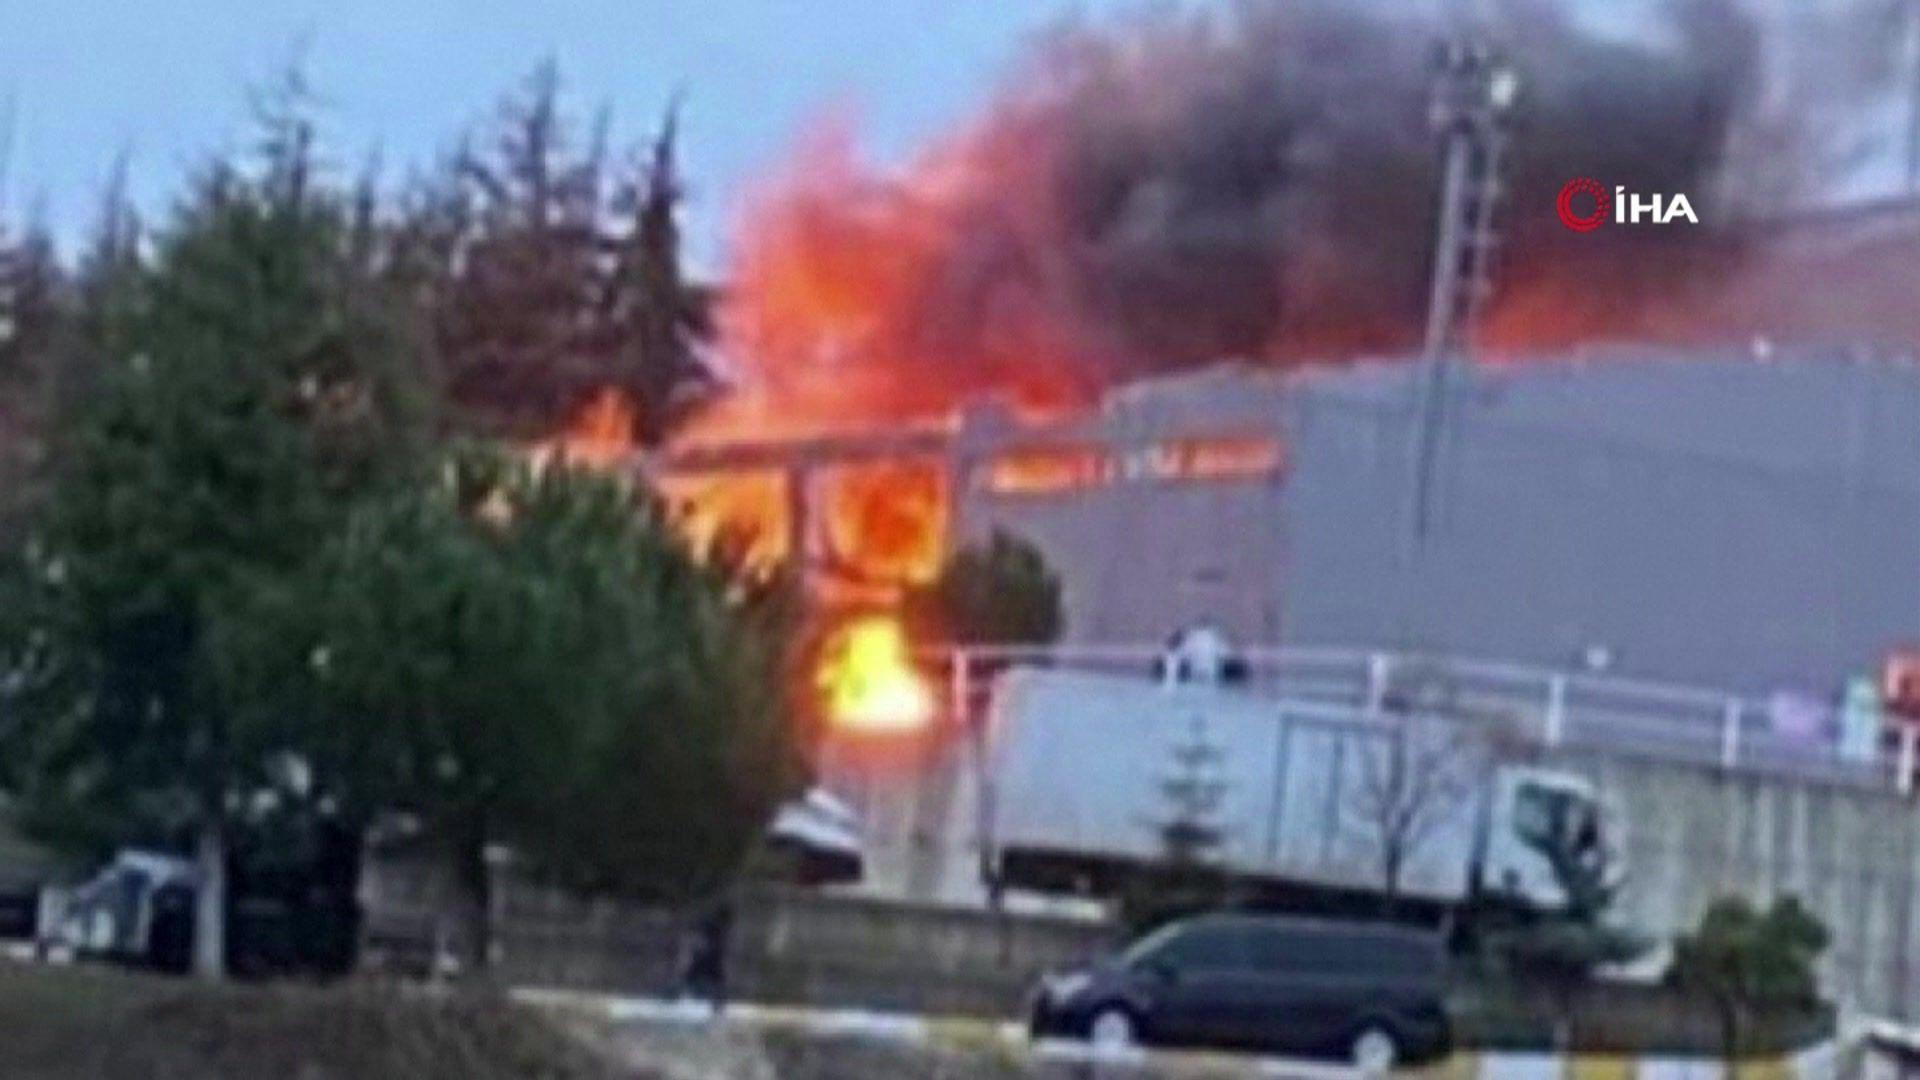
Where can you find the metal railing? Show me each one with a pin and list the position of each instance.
(1551, 709)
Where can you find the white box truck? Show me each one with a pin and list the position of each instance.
(1084, 770)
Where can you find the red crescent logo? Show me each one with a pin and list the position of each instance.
(1581, 185)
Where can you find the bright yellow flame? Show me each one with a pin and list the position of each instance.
(870, 682)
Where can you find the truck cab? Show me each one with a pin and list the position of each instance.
(1534, 809)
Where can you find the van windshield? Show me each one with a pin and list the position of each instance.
(1194, 947)
(1148, 947)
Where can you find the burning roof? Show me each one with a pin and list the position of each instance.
(1154, 193)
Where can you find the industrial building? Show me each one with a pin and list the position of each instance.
(1749, 522)
(1744, 520)
(1602, 532)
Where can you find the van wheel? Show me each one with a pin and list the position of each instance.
(1112, 1029)
(1375, 1050)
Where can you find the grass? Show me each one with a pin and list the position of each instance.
(118, 1025)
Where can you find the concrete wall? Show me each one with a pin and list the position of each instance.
(786, 946)
(1850, 853)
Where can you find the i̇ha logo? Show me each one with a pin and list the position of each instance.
(1621, 206)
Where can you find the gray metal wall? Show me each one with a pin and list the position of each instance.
(1743, 525)
(1718, 520)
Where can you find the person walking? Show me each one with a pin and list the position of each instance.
(705, 973)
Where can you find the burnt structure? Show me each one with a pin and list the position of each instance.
(1741, 519)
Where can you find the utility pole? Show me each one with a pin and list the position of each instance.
(1473, 97)
(1912, 13)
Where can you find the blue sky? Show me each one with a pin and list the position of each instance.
(168, 81)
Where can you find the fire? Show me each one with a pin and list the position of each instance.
(843, 295)
(749, 513)
(886, 523)
(601, 432)
(1106, 216)
(1162, 191)
(869, 680)
(1138, 197)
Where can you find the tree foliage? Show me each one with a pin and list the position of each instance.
(1187, 878)
(251, 563)
(1741, 960)
(528, 657)
(35, 315)
(260, 386)
(998, 593)
(551, 271)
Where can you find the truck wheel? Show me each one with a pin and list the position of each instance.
(1112, 1029)
(1375, 1050)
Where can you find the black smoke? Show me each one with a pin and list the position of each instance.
(1183, 185)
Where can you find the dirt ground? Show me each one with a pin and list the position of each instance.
(58, 1023)
(63, 1022)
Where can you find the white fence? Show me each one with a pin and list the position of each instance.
(1552, 709)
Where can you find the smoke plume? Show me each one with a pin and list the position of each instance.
(1173, 188)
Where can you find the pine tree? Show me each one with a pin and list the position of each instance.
(659, 318)
(1191, 832)
(252, 391)
(1742, 960)
(552, 280)
(998, 593)
(35, 313)
(519, 283)
(1187, 878)
(528, 659)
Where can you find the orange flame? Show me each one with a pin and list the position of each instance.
(601, 432)
(747, 513)
(841, 278)
(869, 680)
(886, 523)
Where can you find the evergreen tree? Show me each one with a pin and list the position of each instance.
(35, 312)
(659, 319)
(527, 658)
(552, 280)
(514, 323)
(1187, 878)
(998, 593)
(48, 372)
(1741, 960)
(254, 388)
(1194, 790)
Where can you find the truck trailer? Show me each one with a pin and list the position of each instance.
(1086, 771)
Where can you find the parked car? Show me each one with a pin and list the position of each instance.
(1368, 993)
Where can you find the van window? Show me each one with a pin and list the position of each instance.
(1334, 951)
(1195, 948)
(1292, 949)
(1396, 956)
